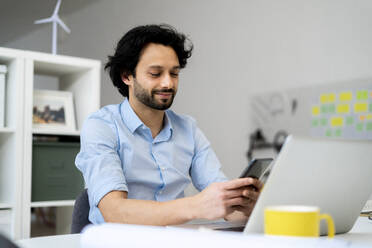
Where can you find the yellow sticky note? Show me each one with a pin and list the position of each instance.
(346, 96)
(337, 121)
(324, 98)
(360, 107)
(315, 110)
(343, 108)
(369, 117)
(331, 97)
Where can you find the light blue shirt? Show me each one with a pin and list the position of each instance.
(119, 153)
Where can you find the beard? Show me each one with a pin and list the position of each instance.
(149, 99)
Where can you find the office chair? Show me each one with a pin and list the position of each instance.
(81, 212)
(6, 243)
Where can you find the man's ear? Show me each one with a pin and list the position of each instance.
(127, 79)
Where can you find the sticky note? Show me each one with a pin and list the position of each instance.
(331, 97)
(324, 109)
(331, 108)
(369, 117)
(315, 110)
(370, 107)
(360, 107)
(362, 95)
(359, 127)
(369, 126)
(338, 133)
(324, 98)
(346, 96)
(337, 121)
(315, 123)
(329, 133)
(362, 117)
(343, 108)
(323, 121)
(349, 120)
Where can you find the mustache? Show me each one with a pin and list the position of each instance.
(164, 91)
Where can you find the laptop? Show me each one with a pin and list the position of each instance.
(333, 174)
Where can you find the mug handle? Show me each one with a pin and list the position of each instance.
(330, 224)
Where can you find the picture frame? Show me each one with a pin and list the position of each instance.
(53, 111)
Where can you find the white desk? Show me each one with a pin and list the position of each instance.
(361, 233)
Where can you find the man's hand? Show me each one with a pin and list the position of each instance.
(221, 199)
(251, 194)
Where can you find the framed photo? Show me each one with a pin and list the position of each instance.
(53, 111)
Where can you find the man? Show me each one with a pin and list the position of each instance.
(137, 157)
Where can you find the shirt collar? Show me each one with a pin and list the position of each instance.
(129, 117)
(132, 121)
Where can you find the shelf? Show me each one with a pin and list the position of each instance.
(5, 205)
(79, 76)
(47, 132)
(65, 203)
(6, 130)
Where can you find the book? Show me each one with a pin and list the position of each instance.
(3, 71)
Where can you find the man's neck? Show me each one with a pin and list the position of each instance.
(152, 118)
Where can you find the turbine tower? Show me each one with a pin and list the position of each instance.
(55, 20)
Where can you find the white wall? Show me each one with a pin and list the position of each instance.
(241, 47)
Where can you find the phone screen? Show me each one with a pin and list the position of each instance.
(257, 168)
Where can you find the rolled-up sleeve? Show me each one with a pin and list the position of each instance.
(205, 167)
(98, 159)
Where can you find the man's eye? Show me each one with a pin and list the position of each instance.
(154, 74)
(174, 74)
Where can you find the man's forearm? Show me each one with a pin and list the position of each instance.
(144, 212)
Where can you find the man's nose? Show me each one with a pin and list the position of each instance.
(167, 81)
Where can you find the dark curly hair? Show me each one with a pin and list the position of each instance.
(130, 46)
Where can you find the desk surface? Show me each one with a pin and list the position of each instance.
(361, 233)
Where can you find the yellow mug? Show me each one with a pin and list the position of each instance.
(296, 221)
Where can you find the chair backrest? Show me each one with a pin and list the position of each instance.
(6, 243)
(80, 213)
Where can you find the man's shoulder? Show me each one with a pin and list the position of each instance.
(106, 113)
(181, 119)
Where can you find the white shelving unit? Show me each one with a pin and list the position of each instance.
(11, 137)
(77, 75)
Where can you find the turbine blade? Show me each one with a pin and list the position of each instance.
(63, 25)
(57, 7)
(46, 20)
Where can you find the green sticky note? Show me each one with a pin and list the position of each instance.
(362, 95)
(314, 123)
(323, 109)
(370, 107)
(338, 133)
(331, 108)
(323, 121)
(369, 126)
(359, 127)
(329, 133)
(349, 120)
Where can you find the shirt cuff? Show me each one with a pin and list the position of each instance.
(105, 189)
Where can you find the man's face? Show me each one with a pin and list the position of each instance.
(156, 81)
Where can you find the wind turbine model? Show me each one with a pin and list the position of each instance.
(55, 19)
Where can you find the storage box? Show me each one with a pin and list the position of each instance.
(5, 222)
(2, 95)
(54, 174)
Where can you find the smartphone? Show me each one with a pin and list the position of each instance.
(258, 168)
